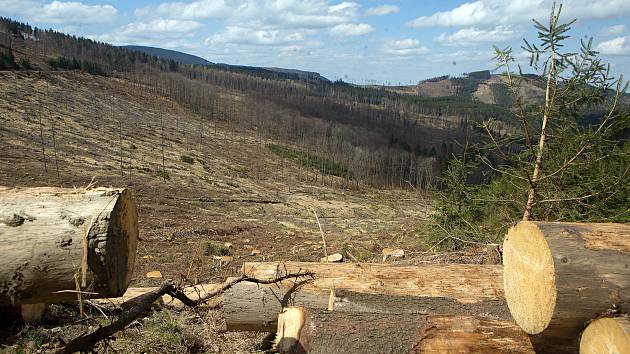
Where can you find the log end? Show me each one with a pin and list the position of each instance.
(122, 243)
(606, 335)
(529, 277)
(290, 323)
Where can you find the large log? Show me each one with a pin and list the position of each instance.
(303, 330)
(430, 289)
(55, 242)
(606, 335)
(560, 275)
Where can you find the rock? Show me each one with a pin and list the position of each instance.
(224, 260)
(154, 274)
(393, 253)
(335, 257)
(227, 244)
(147, 257)
(255, 252)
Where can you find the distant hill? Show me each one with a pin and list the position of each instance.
(269, 72)
(182, 58)
(481, 86)
(305, 75)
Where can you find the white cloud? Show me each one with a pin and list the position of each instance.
(61, 12)
(473, 36)
(17, 7)
(614, 30)
(195, 10)
(490, 12)
(343, 7)
(351, 29)
(615, 46)
(163, 32)
(382, 10)
(405, 47)
(248, 36)
(484, 57)
(259, 14)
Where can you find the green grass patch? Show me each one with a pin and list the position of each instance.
(324, 165)
(213, 248)
(162, 174)
(187, 159)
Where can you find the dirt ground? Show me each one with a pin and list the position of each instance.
(235, 196)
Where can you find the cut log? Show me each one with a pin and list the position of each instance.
(55, 242)
(430, 289)
(606, 335)
(303, 330)
(560, 275)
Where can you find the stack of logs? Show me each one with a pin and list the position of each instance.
(556, 279)
(562, 286)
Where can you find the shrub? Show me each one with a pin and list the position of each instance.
(25, 63)
(162, 174)
(213, 248)
(187, 159)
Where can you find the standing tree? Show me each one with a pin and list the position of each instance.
(567, 162)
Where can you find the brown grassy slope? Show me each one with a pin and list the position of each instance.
(94, 116)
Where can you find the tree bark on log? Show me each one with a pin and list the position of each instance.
(303, 330)
(606, 335)
(558, 276)
(430, 289)
(56, 242)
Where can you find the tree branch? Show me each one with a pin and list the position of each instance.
(86, 342)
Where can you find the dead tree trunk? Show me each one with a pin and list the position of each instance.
(55, 242)
(606, 335)
(310, 331)
(446, 288)
(560, 275)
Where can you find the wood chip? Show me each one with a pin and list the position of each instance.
(335, 257)
(393, 252)
(154, 274)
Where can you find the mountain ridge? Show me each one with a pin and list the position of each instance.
(190, 59)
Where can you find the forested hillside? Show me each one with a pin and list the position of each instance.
(381, 138)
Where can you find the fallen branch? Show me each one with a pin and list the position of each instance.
(144, 302)
(230, 200)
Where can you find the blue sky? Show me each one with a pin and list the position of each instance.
(384, 41)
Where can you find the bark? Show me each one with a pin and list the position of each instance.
(303, 330)
(558, 276)
(429, 289)
(58, 241)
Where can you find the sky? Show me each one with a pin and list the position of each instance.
(366, 41)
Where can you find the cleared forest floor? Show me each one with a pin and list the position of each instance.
(235, 193)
